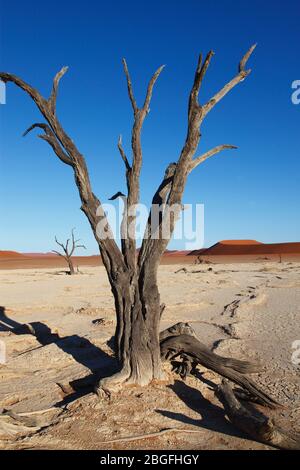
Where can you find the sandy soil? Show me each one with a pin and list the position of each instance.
(247, 311)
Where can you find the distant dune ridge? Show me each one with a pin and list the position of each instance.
(248, 247)
(223, 251)
(39, 255)
(10, 254)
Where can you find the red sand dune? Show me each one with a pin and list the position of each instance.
(10, 254)
(247, 248)
(39, 255)
(225, 251)
(176, 253)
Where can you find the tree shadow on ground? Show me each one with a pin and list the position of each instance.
(212, 416)
(81, 349)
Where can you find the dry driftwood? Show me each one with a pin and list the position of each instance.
(255, 423)
(190, 348)
(181, 340)
(181, 270)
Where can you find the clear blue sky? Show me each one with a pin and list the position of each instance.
(249, 193)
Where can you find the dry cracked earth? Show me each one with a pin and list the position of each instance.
(57, 332)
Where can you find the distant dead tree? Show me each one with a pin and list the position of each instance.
(201, 260)
(133, 274)
(68, 251)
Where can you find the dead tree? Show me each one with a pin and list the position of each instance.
(133, 275)
(68, 251)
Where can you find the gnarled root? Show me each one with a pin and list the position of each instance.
(111, 384)
(229, 368)
(254, 423)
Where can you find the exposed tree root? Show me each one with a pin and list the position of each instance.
(107, 385)
(232, 369)
(180, 341)
(151, 435)
(18, 425)
(258, 426)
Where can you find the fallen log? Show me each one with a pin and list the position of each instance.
(187, 346)
(254, 423)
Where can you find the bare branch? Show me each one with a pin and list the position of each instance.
(173, 190)
(246, 57)
(53, 97)
(129, 86)
(205, 66)
(57, 149)
(60, 243)
(133, 171)
(159, 199)
(50, 137)
(58, 253)
(32, 92)
(73, 243)
(200, 74)
(111, 255)
(194, 163)
(196, 113)
(39, 125)
(237, 79)
(150, 88)
(122, 153)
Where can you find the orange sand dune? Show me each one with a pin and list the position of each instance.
(247, 248)
(239, 242)
(39, 255)
(225, 251)
(10, 254)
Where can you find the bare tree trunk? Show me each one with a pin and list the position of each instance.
(71, 267)
(137, 304)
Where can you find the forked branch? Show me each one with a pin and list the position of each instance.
(133, 171)
(242, 74)
(50, 137)
(176, 182)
